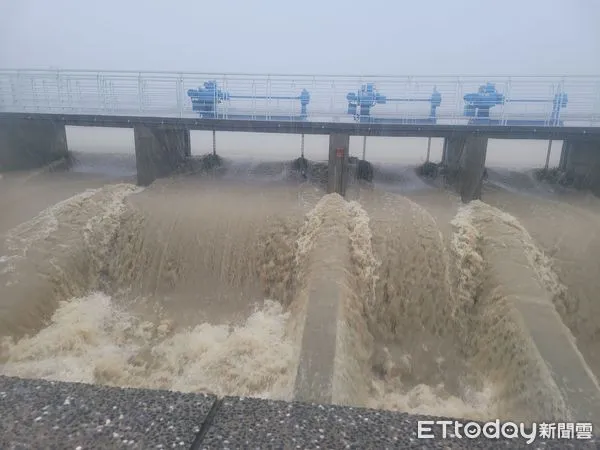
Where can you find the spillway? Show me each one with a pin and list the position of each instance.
(272, 289)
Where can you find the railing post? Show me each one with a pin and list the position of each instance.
(36, 94)
(332, 102)
(225, 108)
(78, 87)
(457, 110)
(180, 97)
(562, 91)
(268, 98)
(314, 85)
(502, 113)
(507, 98)
(596, 109)
(14, 89)
(45, 93)
(253, 99)
(140, 93)
(101, 95)
(59, 90)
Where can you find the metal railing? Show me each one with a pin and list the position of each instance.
(267, 96)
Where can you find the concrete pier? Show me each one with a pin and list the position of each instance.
(451, 155)
(339, 145)
(541, 332)
(562, 163)
(316, 368)
(472, 168)
(580, 159)
(30, 143)
(159, 151)
(326, 288)
(464, 159)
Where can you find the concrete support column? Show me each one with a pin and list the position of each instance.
(451, 155)
(472, 168)
(187, 143)
(320, 376)
(564, 153)
(444, 151)
(428, 149)
(339, 145)
(30, 143)
(580, 159)
(464, 161)
(548, 153)
(159, 151)
(327, 290)
(364, 156)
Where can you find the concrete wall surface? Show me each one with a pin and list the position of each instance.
(29, 144)
(42, 415)
(580, 159)
(159, 151)
(339, 150)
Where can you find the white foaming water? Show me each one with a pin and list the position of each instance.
(44, 224)
(91, 340)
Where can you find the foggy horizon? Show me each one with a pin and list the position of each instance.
(432, 38)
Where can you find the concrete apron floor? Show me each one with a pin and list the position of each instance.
(44, 415)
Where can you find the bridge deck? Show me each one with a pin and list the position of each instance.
(293, 127)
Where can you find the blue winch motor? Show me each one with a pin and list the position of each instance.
(478, 104)
(361, 102)
(366, 98)
(205, 99)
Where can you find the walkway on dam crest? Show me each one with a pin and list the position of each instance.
(48, 415)
(162, 108)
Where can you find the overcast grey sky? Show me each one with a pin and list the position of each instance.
(310, 36)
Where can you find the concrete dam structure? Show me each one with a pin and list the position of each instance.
(35, 106)
(185, 310)
(164, 146)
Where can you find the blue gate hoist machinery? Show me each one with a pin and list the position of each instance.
(205, 101)
(360, 104)
(478, 105)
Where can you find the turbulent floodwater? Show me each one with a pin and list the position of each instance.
(200, 283)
